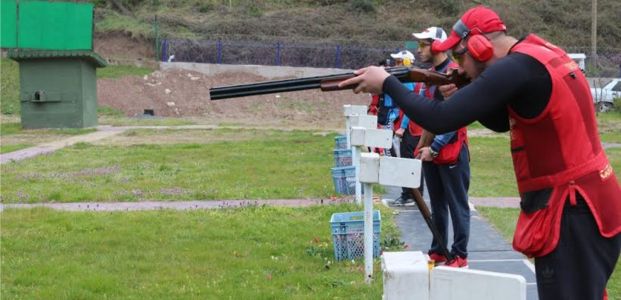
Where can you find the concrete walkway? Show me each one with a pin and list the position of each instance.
(487, 249)
(176, 205)
(216, 204)
(101, 133)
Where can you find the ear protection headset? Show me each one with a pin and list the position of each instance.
(436, 41)
(479, 46)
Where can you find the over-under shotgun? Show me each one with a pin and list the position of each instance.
(330, 83)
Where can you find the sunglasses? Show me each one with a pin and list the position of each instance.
(459, 55)
(423, 44)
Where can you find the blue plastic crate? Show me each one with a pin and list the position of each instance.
(342, 157)
(344, 179)
(340, 142)
(348, 234)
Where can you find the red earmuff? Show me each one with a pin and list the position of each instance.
(480, 47)
(434, 46)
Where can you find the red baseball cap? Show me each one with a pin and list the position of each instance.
(477, 20)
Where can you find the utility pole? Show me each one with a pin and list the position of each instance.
(594, 32)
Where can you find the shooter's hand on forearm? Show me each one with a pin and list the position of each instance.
(368, 80)
(399, 132)
(425, 154)
(447, 90)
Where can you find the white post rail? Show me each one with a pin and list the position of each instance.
(383, 170)
(356, 115)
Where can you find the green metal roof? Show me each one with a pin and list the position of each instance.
(26, 54)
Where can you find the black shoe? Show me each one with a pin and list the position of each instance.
(403, 201)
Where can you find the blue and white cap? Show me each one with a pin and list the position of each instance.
(405, 54)
(431, 33)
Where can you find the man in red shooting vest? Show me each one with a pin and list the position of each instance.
(446, 165)
(570, 219)
(405, 131)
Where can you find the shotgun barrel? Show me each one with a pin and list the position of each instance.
(329, 83)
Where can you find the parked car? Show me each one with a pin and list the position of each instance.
(604, 93)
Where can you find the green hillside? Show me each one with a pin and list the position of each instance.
(566, 23)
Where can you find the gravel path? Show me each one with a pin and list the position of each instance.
(101, 133)
(611, 145)
(177, 205)
(215, 204)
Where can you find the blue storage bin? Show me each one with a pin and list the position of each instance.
(348, 234)
(342, 157)
(340, 142)
(344, 179)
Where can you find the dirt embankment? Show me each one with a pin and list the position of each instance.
(182, 93)
(121, 48)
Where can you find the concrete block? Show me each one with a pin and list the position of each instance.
(464, 284)
(405, 275)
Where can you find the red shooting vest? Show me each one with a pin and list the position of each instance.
(449, 154)
(372, 110)
(560, 150)
(413, 128)
(397, 121)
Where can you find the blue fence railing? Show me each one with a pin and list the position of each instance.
(276, 53)
(324, 55)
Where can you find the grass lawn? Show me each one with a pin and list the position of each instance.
(263, 165)
(201, 164)
(491, 167)
(146, 164)
(14, 147)
(249, 253)
(7, 129)
(611, 137)
(9, 87)
(610, 125)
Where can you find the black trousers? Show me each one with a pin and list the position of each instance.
(583, 261)
(407, 146)
(448, 187)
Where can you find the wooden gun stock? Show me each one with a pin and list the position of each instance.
(426, 139)
(424, 210)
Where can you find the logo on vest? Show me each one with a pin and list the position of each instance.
(547, 273)
(511, 130)
(572, 66)
(606, 172)
(511, 122)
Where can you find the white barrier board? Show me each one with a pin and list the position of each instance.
(464, 284)
(406, 275)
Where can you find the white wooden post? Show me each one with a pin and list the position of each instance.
(383, 170)
(353, 115)
(365, 122)
(349, 111)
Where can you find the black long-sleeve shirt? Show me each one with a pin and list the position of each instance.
(517, 81)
